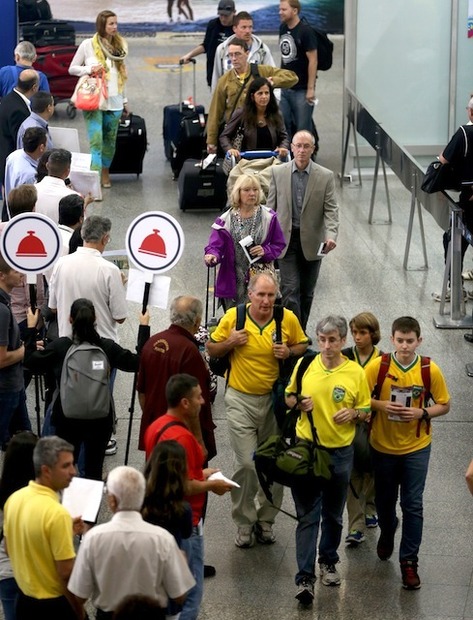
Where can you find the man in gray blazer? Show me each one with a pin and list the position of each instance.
(303, 195)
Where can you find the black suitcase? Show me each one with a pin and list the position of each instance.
(173, 116)
(32, 10)
(48, 32)
(191, 142)
(131, 146)
(200, 188)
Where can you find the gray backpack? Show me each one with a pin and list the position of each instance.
(84, 387)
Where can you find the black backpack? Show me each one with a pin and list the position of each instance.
(324, 48)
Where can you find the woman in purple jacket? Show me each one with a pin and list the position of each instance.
(244, 239)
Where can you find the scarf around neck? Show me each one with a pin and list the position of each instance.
(117, 54)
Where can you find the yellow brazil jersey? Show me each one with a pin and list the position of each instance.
(390, 435)
(331, 390)
(254, 369)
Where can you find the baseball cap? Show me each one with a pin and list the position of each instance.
(226, 7)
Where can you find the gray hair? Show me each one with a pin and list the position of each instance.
(127, 485)
(47, 450)
(264, 274)
(332, 323)
(94, 228)
(26, 50)
(185, 311)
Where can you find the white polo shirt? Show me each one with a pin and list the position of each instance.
(85, 273)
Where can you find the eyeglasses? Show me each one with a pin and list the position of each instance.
(303, 147)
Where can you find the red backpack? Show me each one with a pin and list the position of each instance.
(425, 396)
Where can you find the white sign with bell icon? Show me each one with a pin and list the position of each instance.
(31, 243)
(154, 244)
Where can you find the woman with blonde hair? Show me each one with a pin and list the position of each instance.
(106, 51)
(263, 241)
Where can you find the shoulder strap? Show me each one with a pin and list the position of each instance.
(254, 71)
(306, 361)
(240, 317)
(278, 315)
(425, 373)
(168, 425)
(383, 371)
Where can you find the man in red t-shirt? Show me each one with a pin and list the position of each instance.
(184, 399)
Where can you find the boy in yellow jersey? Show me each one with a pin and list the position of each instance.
(401, 438)
(334, 391)
(361, 507)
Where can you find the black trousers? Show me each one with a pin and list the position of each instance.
(28, 608)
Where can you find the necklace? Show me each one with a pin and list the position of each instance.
(242, 221)
(262, 123)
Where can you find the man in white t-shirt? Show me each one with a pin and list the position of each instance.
(53, 187)
(85, 273)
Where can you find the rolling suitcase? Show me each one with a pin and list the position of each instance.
(174, 114)
(200, 188)
(54, 61)
(131, 146)
(48, 32)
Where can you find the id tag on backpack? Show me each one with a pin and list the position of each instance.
(98, 365)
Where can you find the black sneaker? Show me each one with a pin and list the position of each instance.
(385, 546)
(410, 577)
(305, 591)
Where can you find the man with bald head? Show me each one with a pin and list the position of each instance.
(14, 109)
(170, 352)
(303, 195)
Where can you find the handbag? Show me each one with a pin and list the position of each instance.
(291, 461)
(439, 177)
(90, 93)
(236, 144)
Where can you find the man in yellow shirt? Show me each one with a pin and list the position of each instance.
(254, 358)
(334, 391)
(39, 535)
(401, 438)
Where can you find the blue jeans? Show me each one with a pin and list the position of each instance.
(9, 592)
(298, 279)
(13, 409)
(408, 473)
(297, 113)
(328, 503)
(194, 550)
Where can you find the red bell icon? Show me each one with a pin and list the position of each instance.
(31, 246)
(154, 245)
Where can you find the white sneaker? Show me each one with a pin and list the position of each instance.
(245, 537)
(448, 296)
(329, 574)
(468, 275)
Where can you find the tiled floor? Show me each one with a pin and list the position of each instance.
(364, 273)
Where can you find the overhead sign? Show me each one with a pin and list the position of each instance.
(31, 243)
(155, 242)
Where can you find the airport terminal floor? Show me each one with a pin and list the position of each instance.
(364, 272)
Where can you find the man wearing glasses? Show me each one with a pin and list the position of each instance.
(303, 195)
(232, 87)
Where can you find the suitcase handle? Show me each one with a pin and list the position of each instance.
(181, 64)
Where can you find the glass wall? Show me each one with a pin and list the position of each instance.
(402, 66)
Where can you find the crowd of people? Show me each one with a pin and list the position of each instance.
(371, 410)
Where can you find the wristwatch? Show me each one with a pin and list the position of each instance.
(425, 415)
